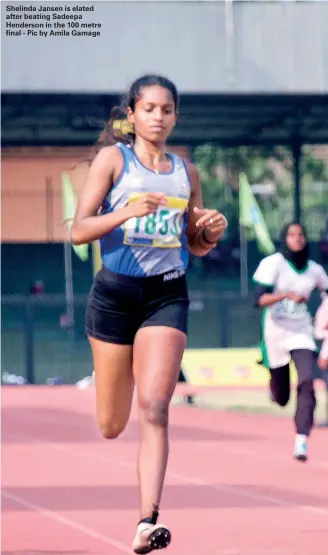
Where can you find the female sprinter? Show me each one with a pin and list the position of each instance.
(136, 321)
(321, 332)
(285, 281)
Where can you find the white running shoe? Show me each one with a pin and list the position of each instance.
(150, 537)
(301, 448)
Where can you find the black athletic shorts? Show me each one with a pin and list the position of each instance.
(119, 305)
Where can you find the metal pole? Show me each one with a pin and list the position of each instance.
(49, 209)
(230, 40)
(296, 150)
(243, 262)
(29, 342)
(224, 323)
(69, 284)
(69, 307)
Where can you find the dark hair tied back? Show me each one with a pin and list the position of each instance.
(117, 129)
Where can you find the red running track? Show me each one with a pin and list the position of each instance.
(232, 486)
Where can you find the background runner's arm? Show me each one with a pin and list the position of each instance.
(322, 280)
(265, 278)
(264, 296)
(321, 332)
(104, 170)
(197, 244)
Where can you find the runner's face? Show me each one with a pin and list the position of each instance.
(295, 239)
(155, 114)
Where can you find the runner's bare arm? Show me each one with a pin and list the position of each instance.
(103, 172)
(201, 237)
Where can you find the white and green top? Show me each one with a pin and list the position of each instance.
(280, 274)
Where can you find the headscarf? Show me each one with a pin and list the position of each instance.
(299, 259)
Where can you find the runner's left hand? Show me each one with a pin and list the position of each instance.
(211, 220)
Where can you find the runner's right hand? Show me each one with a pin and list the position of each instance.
(296, 298)
(147, 204)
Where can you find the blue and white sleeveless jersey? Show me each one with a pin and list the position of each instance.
(156, 243)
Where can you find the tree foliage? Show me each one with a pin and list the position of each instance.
(219, 170)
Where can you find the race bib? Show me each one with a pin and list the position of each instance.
(288, 309)
(160, 230)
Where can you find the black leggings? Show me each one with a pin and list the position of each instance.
(306, 401)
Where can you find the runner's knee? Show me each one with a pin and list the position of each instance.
(110, 428)
(154, 412)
